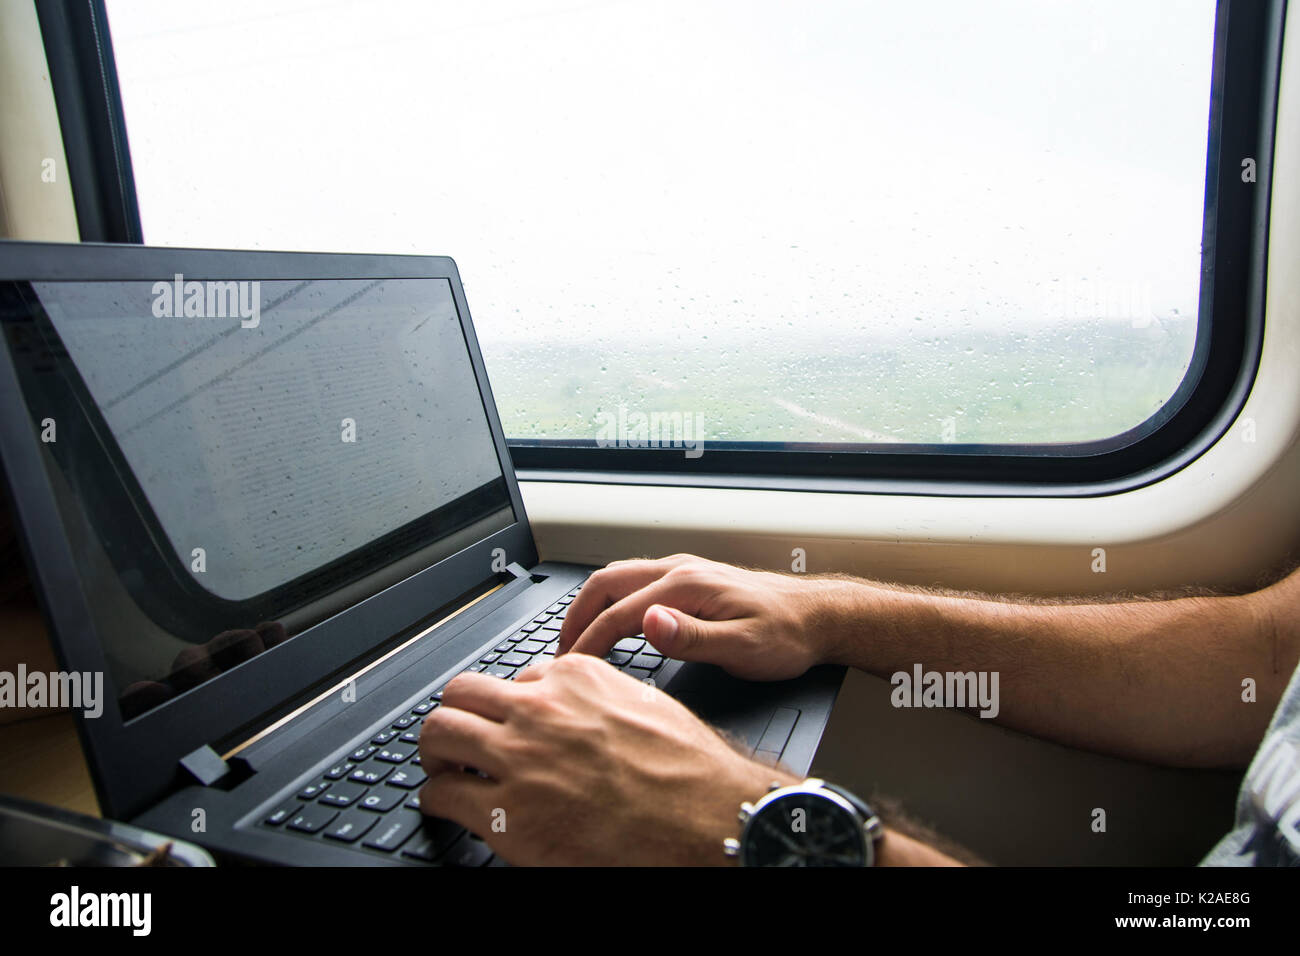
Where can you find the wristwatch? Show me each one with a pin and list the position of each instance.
(813, 823)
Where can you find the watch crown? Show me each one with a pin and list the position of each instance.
(731, 846)
(746, 811)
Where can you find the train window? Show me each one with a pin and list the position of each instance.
(955, 240)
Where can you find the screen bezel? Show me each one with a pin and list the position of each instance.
(135, 762)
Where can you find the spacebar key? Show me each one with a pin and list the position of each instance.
(436, 837)
(393, 830)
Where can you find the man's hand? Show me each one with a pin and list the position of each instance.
(756, 625)
(583, 765)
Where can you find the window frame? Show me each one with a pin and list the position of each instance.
(1242, 117)
(83, 76)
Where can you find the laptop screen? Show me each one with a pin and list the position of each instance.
(237, 461)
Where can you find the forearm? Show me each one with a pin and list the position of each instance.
(1159, 681)
(898, 849)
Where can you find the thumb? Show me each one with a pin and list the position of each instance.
(677, 635)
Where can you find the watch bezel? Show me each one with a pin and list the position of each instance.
(866, 826)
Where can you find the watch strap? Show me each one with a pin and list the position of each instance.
(871, 819)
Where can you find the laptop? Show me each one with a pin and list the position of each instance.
(266, 500)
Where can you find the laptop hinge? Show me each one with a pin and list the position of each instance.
(205, 765)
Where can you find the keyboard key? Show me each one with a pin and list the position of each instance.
(555, 608)
(649, 662)
(640, 673)
(515, 660)
(410, 737)
(421, 848)
(434, 838)
(468, 851)
(493, 657)
(361, 753)
(541, 619)
(351, 826)
(343, 795)
(423, 708)
(408, 778)
(499, 670)
(312, 818)
(401, 723)
(619, 658)
(630, 644)
(394, 755)
(530, 647)
(370, 774)
(313, 790)
(393, 830)
(530, 627)
(286, 812)
(383, 737)
(339, 770)
(413, 803)
(380, 800)
(436, 695)
(552, 625)
(475, 668)
(504, 647)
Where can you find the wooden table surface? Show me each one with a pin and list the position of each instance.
(41, 759)
(40, 755)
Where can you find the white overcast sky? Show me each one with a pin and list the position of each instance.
(748, 167)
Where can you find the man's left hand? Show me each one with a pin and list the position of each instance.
(580, 764)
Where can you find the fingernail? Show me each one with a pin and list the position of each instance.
(667, 623)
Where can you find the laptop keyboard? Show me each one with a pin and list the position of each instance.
(369, 797)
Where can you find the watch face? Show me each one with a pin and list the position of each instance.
(805, 829)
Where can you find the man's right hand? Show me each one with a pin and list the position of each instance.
(756, 625)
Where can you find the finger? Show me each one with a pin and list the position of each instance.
(194, 665)
(272, 633)
(624, 618)
(534, 671)
(608, 585)
(461, 739)
(230, 648)
(462, 798)
(676, 634)
(486, 696)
